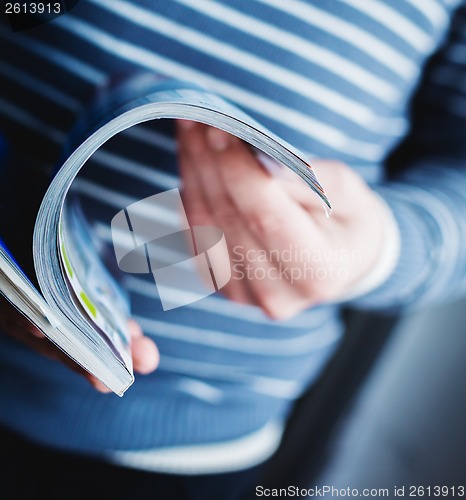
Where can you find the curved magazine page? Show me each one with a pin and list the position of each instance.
(92, 288)
(20, 292)
(169, 99)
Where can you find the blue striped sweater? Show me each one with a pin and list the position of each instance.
(379, 85)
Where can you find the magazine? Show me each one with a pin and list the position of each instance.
(80, 306)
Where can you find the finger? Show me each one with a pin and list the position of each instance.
(292, 184)
(98, 385)
(278, 223)
(45, 347)
(264, 280)
(134, 328)
(273, 295)
(201, 193)
(190, 151)
(11, 318)
(303, 195)
(145, 355)
(259, 198)
(21, 329)
(342, 185)
(17, 326)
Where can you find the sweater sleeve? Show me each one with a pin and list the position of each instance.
(425, 187)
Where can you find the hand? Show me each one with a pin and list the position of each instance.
(286, 255)
(144, 351)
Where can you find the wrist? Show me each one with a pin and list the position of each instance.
(386, 259)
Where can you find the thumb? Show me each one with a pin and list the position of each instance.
(144, 351)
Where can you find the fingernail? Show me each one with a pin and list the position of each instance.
(217, 139)
(186, 124)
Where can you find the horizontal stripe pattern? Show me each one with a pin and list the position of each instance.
(335, 63)
(324, 133)
(428, 196)
(334, 79)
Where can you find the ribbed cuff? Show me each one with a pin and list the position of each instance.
(414, 266)
(386, 261)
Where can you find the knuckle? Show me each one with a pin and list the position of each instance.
(228, 219)
(280, 311)
(271, 307)
(265, 224)
(322, 291)
(309, 289)
(276, 305)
